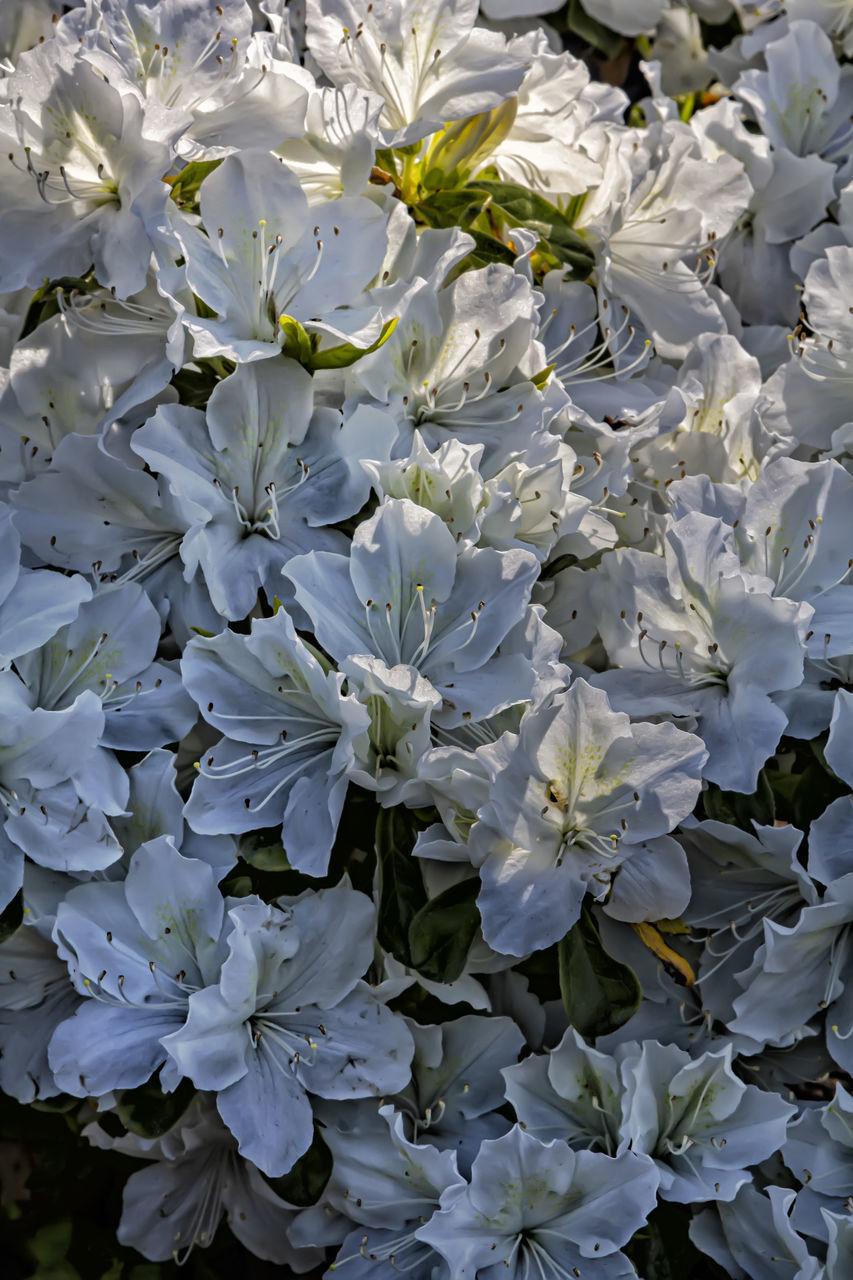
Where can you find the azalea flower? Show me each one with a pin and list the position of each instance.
(385, 1184)
(136, 949)
(681, 620)
(265, 254)
(250, 470)
(543, 1205)
(569, 799)
(287, 744)
(286, 1017)
(405, 596)
(429, 63)
(194, 1176)
(82, 163)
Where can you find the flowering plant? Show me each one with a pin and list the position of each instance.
(426, 639)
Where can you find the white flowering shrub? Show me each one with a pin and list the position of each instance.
(426, 639)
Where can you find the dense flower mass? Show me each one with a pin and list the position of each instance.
(426, 636)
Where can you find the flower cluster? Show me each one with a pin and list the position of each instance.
(426, 626)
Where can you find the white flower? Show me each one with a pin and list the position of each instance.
(424, 57)
(82, 163)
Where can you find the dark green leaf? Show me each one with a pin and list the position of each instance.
(741, 810)
(45, 302)
(663, 1250)
(599, 993)
(815, 790)
(149, 1112)
(521, 205)
(195, 386)
(441, 934)
(542, 971)
(264, 850)
(59, 1105)
(11, 916)
(595, 33)
(567, 255)
(49, 1247)
(306, 1181)
(401, 883)
(238, 886)
(489, 249)
(817, 746)
(558, 564)
(452, 208)
(528, 209)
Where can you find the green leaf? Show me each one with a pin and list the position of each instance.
(452, 208)
(740, 810)
(264, 850)
(481, 208)
(195, 386)
(49, 1248)
(56, 1271)
(542, 971)
(59, 1105)
(599, 993)
(238, 886)
(185, 185)
(595, 33)
(528, 209)
(306, 1181)
(815, 790)
(441, 934)
(346, 354)
(686, 106)
(817, 746)
(297, 341)
(557, 565)
(401, 883)
(11, 916)
(149, 1112)
(45, 301)
(458, 150)
(540, 379)
(300, 345)
(488, 249)
(50, 1245)
(521, 205)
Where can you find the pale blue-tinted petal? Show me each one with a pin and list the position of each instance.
(38, 604)
(318, 974)
(212, 1045)
(104, 1047)
(525, 907)
(177, 903)
(362, 1049)
(268, 1111)
(63, 832)
(653, 883)
(839, 748)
